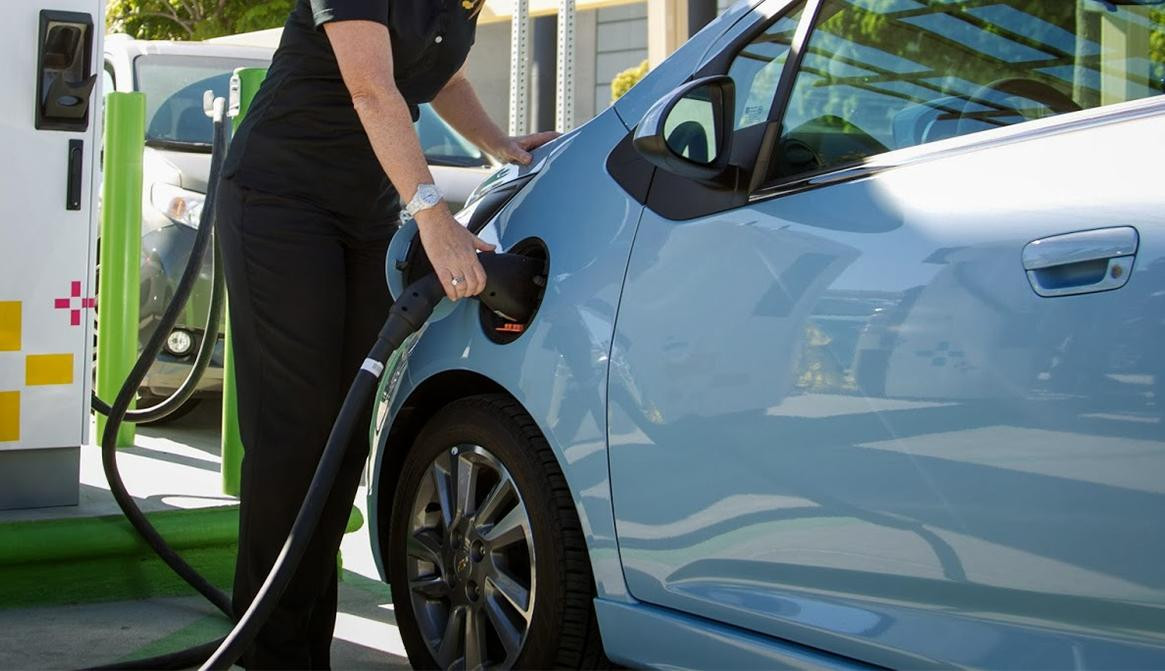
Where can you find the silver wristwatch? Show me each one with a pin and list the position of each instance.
(427, 195)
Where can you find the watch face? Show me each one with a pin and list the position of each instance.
(427, 196)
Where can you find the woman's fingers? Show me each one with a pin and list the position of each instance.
(470, 277)
(518, 154)
(453, 252)
(478, 278)
(536, 140)
(451, 281)
(517, 149)
(482, 246)
(447, 284)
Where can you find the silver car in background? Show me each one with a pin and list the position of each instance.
(176, 164)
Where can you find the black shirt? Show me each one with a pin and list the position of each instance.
(302, 138)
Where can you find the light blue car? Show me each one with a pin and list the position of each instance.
(851, 353)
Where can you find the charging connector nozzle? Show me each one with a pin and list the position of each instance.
(513, 283)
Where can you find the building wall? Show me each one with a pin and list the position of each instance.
(607, 41)
(621, 43)
(489, 69)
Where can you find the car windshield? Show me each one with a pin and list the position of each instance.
(443, 145)
(174, 86)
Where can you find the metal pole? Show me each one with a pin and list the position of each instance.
(543, 47)
(564, 98)
(244, 84)
(519, 67)
(119, 293)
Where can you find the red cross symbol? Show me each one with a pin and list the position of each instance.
(75, 308)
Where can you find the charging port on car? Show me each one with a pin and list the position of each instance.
(501, 330)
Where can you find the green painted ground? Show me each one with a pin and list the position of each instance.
(86, 559)
(101, 558)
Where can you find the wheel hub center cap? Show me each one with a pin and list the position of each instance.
(462, 559)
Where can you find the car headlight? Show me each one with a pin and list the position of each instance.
(179, 342)
(482, 207)
(503, 177)
(180, 205)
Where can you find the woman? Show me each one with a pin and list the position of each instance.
(323, 163)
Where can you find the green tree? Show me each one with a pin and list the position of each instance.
(194, 19)
(1157, 46)
(623, 81)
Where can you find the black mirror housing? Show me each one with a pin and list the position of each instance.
(651, 140)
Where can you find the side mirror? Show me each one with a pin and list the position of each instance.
(689, 132)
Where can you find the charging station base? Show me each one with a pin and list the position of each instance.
(39, 478)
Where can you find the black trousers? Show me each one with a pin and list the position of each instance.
(307, 298)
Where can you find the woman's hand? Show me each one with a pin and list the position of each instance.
(517, 149)
(458, 104)
(452, 250)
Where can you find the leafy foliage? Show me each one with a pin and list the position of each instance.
(623, 81)
(194, 19)
(1157, 46)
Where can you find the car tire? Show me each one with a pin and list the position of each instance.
(515, 532)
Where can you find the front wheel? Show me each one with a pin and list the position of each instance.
(487, 560)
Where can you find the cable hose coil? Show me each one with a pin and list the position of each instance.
(118, 411)
(420, 299)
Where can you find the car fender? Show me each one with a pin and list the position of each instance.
(557, 369)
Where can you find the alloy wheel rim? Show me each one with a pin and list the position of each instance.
(470, 561)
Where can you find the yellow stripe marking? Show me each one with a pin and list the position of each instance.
(42, 369)
(9, 416)
(9, 326)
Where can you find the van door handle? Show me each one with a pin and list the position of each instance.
(1081, 263)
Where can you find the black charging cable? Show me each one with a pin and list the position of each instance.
(513, 286)
(512, 290)
(202, 240)
(118, 411)
(408, 314)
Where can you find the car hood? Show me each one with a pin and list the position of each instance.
(187, 169)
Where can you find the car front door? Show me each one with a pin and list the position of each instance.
(863, 412)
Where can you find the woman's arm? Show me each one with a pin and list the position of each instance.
(364, 54)
(458, 104)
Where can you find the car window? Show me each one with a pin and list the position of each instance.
(757, 68)
(443, 145)
(880, 75)
(174, 86)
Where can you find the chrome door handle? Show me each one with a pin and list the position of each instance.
(1081, 263)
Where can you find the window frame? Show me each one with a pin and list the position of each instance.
(681, 198)
(762, 163)
(107, 66)
(759, 157)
